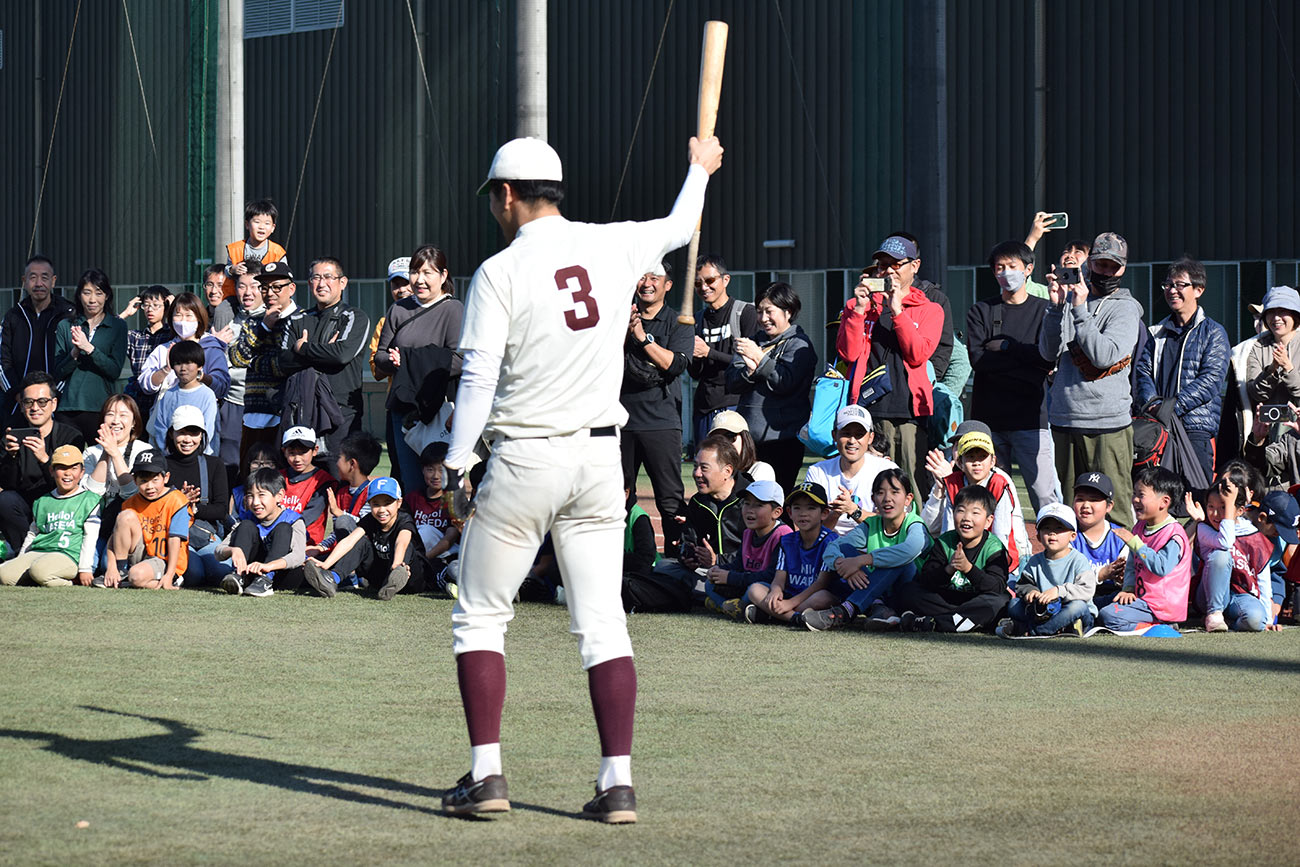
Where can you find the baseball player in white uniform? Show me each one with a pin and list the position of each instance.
(543, 343)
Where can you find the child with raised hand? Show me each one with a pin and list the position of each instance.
(1054, 593)
(383, 549)
(60, 545)
(760, 509)
(1234, 589)
(151, 534)
(1158, 574)
(962, 585)
(1094, 494)
(975, 464)
(271, 546)
(880, 552)
(799, 583)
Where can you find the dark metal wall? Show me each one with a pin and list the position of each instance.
(1173, 123)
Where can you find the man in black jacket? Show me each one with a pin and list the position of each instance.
(718, 322)
(332, 339)
(25, 472)
(654, 356)
(1009, 394)
(27, 333)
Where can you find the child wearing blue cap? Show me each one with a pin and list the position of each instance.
(383, 550)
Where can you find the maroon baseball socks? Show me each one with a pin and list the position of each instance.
(613, 698)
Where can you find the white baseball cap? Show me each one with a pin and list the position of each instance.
(1060, 512)
(188, 416)
(766, 491)
(730, 421)
(524, 159)
(299, 434)
(400, 267)
(853, 414)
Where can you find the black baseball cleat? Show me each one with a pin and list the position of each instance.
(487, 795)
(615, 806)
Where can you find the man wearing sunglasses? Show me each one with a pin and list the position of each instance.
(25, 473)
(1183, 365)
(718, 322)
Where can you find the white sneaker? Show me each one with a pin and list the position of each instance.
(1214, 622)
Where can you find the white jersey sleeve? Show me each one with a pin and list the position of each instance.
(554, 307)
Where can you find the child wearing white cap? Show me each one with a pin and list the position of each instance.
(1055, 590)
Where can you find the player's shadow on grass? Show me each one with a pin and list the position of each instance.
(173, 755)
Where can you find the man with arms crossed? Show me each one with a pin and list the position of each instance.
(543, 341)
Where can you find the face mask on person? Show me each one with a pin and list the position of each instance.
(1011, 280)
(184, 327)
(1102, 284)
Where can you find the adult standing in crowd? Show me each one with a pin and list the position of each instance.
(655, 353)
(29, 331)
(1089, 333)
(250, 308)
(1273, 365)
(25, 472)
(333, 341)
(189, 322)
(421, 333)
(900, 329)
(1186, 361)
(718, 322)
(261, 347)
(1010, 390)
(399, 287)
(771, 374)
(89, 352)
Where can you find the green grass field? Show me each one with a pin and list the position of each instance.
(192, 727)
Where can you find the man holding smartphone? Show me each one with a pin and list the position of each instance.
(25, 473)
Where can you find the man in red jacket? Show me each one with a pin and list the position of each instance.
(898, 329)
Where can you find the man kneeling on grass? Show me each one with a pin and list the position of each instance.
(60, 545)
(963, 584)
(383, 549)
(271, 548)
(152, 531)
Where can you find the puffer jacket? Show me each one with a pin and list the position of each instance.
(1202, 365)
(774, 398)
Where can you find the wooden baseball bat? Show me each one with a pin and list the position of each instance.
(712, 58)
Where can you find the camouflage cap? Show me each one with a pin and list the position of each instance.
(1110, 246)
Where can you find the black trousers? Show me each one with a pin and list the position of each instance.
(15, 519)
(351, 422)
(982, 609)
(278, 543)
(361, 559)
(786, 458)
(660, 452)
(85, 421)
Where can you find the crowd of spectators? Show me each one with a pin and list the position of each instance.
(220, 443)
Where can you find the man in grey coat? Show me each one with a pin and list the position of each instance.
(1091, 331)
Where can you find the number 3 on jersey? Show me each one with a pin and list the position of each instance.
(581, 295)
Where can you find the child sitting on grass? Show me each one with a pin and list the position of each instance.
(962, 584)
(640, 552)
(439, 540)
(60, 545)
(348, 501)
(1159, 571)
(1094, 495)
(305, 484)
(1055, 590)
(152, 531)
(1277, 517)
(799, 583)
(1233, 589)
(270, 549)
(383, 549)
(877, 554)
(975, 465)
(760, 509)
